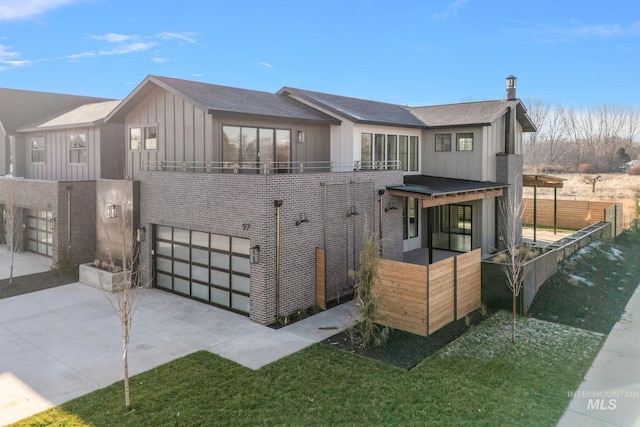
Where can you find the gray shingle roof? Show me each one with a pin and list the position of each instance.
(226, 99)
(470, 113)
(466, 113)
(358, 110)
(88, 114)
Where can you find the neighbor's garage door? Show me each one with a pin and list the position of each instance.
(209, 267)
(39, 234)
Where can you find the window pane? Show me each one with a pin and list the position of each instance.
(200, 239)
(200, 291)
(379, 148)
(283, 143)
(413, 151)
(150, 138)
(392, 148)
(240, 245)
(464, 141)
(180, 268)
(220, 278)
(200, 273)
(249, 150)
(135, 138)
(240, 302)
(443, 142)
(404, 151)
(220, 297)
(181, 252)
(240, 283)
(200, 256)
(220, 260)
(163, 264)
(220, 242)
(266, 145)
(164, 232)
(181, 235)
(240, 265)
(365, 147)
(163, 281)
(413, 217)
(163, 248)
(230, 144)
(180, 285)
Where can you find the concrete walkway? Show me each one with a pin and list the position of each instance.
(610, 393)
(24, 263)
(64, 342)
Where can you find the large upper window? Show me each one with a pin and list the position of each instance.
(250, 145)
(388, 149)
(38, 152)
(443, 142)
(78, 148)
(464, 141)
(143, 138)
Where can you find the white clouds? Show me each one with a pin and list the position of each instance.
(21, 9)
(267, 66)
(451, 10)
(9, 59)
(187, 37)
(576, 31)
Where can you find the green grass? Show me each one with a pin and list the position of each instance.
(480, 379)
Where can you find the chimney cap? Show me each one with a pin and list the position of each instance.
(511, 87)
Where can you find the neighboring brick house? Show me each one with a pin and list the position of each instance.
(54, 149)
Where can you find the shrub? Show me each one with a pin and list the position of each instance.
(587, 168)
(634, 171)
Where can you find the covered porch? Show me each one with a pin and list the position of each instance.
(444, 217)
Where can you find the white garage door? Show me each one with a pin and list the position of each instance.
(209, 267)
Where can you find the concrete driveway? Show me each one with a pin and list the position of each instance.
(64, 342)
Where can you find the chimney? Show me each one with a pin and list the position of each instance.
(511, 88)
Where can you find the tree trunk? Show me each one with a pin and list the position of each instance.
(125, 359)
(513, 328)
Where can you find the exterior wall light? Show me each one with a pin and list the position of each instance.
(352, 212)
(390, 207)
(141, 234)
(112, 211)
(300, 136)
(303, 219)
(255, 254)
(53, 223)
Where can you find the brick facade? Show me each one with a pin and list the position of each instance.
(243, 206)
(52, 196)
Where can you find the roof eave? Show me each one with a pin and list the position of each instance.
(328, 121)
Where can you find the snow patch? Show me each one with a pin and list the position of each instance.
(578, 279)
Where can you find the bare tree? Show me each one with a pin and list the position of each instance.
(11, 225)
(513, 265)
(123, 258)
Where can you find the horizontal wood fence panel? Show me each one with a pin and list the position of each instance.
(571, 214)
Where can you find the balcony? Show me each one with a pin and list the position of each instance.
(265, 168)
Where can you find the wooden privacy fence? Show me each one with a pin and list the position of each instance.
(423, 298)
(573, 214)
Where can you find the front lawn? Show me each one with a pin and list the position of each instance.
(480, 379)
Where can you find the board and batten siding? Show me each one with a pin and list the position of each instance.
(57, 166)
(453, 164)
(187, 133)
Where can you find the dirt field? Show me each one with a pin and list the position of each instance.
(617, 188)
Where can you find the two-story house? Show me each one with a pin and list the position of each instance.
(54, 149)
(243, 193)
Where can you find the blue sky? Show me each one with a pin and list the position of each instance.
(578, 53)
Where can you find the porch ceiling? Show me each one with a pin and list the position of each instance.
(542, 181)
(436, 191)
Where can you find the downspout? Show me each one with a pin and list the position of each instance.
(380, 193)
(277, 204)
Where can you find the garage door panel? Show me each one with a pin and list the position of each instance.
(206, 266)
